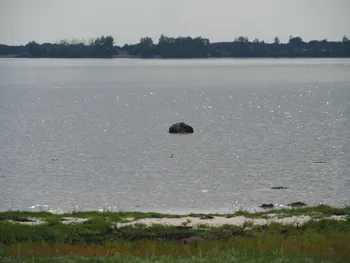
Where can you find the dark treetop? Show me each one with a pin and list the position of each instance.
(181, 47)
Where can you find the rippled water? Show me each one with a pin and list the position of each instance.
(92, 134)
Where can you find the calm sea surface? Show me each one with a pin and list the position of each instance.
(92, 134)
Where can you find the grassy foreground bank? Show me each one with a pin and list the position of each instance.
(219, 258)
(109, 237)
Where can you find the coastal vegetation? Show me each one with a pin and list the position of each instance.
(122, 237)
(181, 47)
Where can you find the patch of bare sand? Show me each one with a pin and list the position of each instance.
(73, 220)
(38, 221)
(29, 222)
(193, 221)
(220, 221)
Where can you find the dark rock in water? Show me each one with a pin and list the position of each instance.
(266, 206)
(180, 127)
(279, 187)
(297, 204)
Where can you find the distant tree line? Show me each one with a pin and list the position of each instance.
(182, 47)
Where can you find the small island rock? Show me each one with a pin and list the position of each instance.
(180, 127)
(279, 187)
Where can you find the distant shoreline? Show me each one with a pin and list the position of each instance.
(161, 58)
(182, 48)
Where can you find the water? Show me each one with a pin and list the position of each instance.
(92, 134)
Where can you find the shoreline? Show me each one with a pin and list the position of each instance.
(284, 216)
(174, 210)
(170, 58)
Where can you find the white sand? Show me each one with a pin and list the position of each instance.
(32, 222)
(220, 221)
(216, 221)
(38, 221)
(73, 220)
(195, 221)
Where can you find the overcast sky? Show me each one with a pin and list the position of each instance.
(127, 20)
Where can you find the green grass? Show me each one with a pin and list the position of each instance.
(21, 215)
(9, 55)
(274, 257)
(326, 238)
